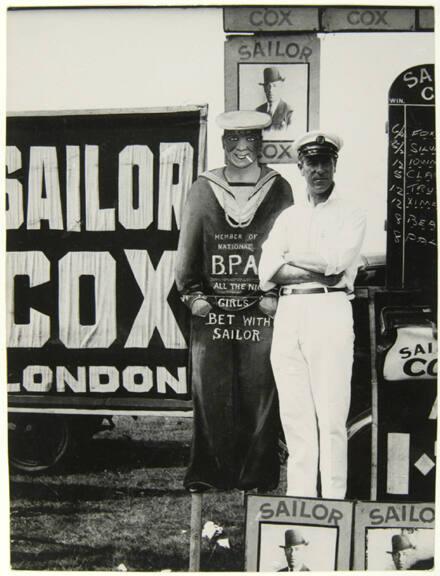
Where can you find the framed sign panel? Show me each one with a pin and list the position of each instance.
(394, 536)
(278, 75)
(405, 397)
(94, 200)
(412, 202)
(270, 18)
(301, 534)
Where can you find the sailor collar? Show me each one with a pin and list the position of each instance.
(218, 178)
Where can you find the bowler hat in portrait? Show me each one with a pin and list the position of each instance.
(399, 543)
(293, 538)
(271, 75)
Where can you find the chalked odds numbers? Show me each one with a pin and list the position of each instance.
(411, 222)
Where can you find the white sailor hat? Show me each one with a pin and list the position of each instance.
(317, 143)
(243, 120)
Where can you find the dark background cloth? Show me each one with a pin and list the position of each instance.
(236, 414)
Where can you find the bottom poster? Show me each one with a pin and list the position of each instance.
(394, 536)
(297, 534)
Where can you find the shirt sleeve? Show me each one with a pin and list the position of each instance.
(189, 259)
(346, 248)
(272, 254)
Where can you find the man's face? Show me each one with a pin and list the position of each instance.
(404, 559)
(241, 147)
(294, 556)
(318, 172)
(273, 91)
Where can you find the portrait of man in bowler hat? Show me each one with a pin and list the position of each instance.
(294, 549)
(280, 112)
(405, 556)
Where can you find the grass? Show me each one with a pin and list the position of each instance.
(121, 501)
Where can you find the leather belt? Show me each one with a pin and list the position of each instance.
(287, 290)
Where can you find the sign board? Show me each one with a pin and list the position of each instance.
(426, 18)
(405, 405)
(372, 18)
(324, 526)
(294, 60)
(94, 202)
(412, 204)
(329, 19)
(380, 529)
(270, 19)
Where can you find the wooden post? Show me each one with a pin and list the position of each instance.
(374, 392)
(196, 532)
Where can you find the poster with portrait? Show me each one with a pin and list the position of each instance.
(297, 534)
(394, 536)
(277, 75)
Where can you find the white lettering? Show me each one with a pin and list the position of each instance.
(250, 265)
(164, 378)
(73, 200)
(43, 167)
(63, 377)
(141, 217)
(155, 286)
(96, 218)
(172, 196)
(102, 266)
(99, 373)
(129, 375)
(14, 190)
(37, 378)
(36, 267)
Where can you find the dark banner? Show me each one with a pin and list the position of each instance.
(94, 202)
(412, 204)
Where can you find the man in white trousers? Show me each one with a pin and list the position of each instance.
(312, 254)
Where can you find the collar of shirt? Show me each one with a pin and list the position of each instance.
(334, 195)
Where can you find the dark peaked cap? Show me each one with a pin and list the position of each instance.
(317, 143)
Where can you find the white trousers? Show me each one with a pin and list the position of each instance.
(312, 358)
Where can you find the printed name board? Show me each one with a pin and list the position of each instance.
(270, 19)
(320, 529)
(277, 75)
(326, 19)
(394, 536)
(413, 355)
(426, 18)
(405, 411)
(412, 203)
(94, 202)
(377, 18)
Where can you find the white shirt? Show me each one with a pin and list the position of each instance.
(333, 230)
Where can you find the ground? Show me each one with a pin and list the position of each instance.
(119, 502)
